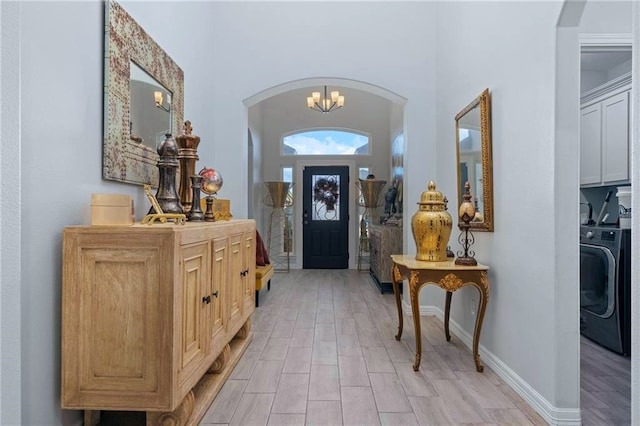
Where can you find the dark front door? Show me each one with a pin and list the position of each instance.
(325, 229)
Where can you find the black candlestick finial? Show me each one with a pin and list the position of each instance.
(167, 195)
(195, 214)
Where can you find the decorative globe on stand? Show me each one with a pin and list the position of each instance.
(211, 184)
(211, 181)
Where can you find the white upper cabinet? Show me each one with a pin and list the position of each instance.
(590, 152)
(615, 138)
(604, 137)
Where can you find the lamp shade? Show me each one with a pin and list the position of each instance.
(278, 192)
(370, 189)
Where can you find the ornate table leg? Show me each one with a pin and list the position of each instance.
(414, 290)
(447, 309)
(396, 291)
(483, 289)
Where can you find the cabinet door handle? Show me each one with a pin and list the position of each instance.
(215, 293)
(206, 299)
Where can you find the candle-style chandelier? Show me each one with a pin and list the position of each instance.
(325, 104)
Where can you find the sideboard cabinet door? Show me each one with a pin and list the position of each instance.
(219, 272)
(115, 324)
(235, 280)
(194, 300)
(249, 269)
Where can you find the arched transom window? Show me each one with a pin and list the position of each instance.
(326, 142)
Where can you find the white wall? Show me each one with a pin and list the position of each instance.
(255, 178)
(227, 53)
(394, 63)
(396, 120)
(62, 47)
(606, 17)
(61, 166)
(61, 113)
(510, 49)
(592, 79)
(362, 113)
(10, 221)
(619, 70)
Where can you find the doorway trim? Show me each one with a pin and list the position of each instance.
(608, 42)
(614, 43)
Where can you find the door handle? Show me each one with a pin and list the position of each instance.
(215, 293)
(206, 299)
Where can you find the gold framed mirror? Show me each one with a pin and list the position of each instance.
(474, 159)
(143, 99)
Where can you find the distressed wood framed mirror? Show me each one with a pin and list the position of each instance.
(474, 159)
(143, 99)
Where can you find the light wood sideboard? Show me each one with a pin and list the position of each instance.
(154, 318)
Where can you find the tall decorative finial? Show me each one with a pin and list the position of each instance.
(466, 212)
(187, 155)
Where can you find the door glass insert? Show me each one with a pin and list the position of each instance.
(326, 197)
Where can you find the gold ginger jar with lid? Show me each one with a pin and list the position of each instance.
(431, 226)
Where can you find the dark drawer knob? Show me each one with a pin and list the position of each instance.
(206, 299)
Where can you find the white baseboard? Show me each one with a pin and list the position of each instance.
(552, 415)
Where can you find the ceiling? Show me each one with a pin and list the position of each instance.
(603, 61)
(297, 98)
(360, 107)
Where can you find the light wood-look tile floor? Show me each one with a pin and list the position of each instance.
(324, 353)
(605, 385)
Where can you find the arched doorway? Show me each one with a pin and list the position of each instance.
(282, 110)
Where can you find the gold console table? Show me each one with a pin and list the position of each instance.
(448, 276)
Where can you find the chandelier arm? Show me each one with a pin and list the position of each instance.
(321, 108)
